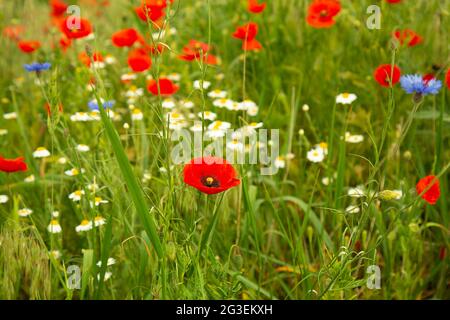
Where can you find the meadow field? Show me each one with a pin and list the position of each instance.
(224, 149)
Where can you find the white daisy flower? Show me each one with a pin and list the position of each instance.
(3, 132)
(107, 276)
(345, 98)
(197, 127)
(247, 104)
(217, 94)
(30, 178)
(10, 116)
(99, 221)
(235, 145)
(98, 201)
(56, 254)
(85, 225)
(54, 226)
(186, 104)
(137, 115)
(315, 155)
(110, 59)
(74, 172)
(83, 148)
(357, 192)
(305, 108)
(55, 214)
(174, 76)
(109, 262)
(197, 84)
(168, 103)
(76, 195)
(352, 209)
(134, 92)
(223, 103)
(3, 198)
(252, 111)
(390, 195)
(280, 162)
(208, 115)
(62, 160)
(357, 138)
(128, 77)
(41, 152)
(25, 212)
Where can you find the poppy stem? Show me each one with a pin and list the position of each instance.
(206, 237)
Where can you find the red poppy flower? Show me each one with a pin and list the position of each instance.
(72, 32)
(124, 38)
(255, 7)
(12, 165)
(166, 87)
(321, 13)
(433, 192)
(384, 72)
(210, 175)
(447, 79)
(246, 32)
(13, 32)
(197, 50)
(139, 60)
(151, 9)
(64, 43)
(407, 36)
(84, 58)
(394, 1)
(58, 7)
(29, 46)
(251, 45)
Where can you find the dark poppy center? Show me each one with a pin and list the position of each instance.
(323, 13)
(210, 182)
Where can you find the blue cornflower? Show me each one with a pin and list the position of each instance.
(37, 67)
(93, 105)
(416, 84)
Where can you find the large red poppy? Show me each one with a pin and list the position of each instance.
(321, 13)
(151, 9)
(12, 165)
(139, 60)
(255, 7)
(384, 72)
(210, 175)
(447, 79)
(433, 191)
(124, 38)
(408, 37)
(72, 32)
(28, 46)
(166, 87)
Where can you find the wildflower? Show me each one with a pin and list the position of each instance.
(73, 172)
(255, 7)
(71, 31)
(10, 116)
(98, 201)
(217, 94)
(305, 108)
(41, 152)
(416, 84)
(139, 60)
(137, 115)
(168, 103)
(207, 115)
(321, 13)
(279, 162)
(28, 46)
(163, 87)
(99, 221)
(56, 254)
(217, 129)
(186, 104)
(109, 262)
(388, 195)
(210, 175)
(353, 138)
(93, 104)
(124, 38)
(247, 34)
(433, 191)
(37, 67)
(58, 8)
(316, 155)
(76, 195)
(62, 160)
(25, 212)
(352, 209)
(151, 10)
(407, 36)
(386, 75)
(108, 275)
(198, 84)
(357, 192)
(3, 198)
(54, 226)
(12, 165)
(29, 179)
(196, 50)
(85, 225)
(223, 103)
(346, 98)
(95, 60)
(83, 148)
